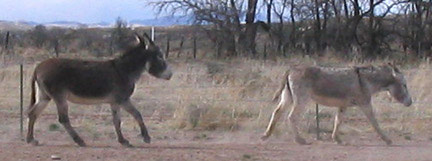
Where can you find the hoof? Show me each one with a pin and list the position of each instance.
(264, 137)
(388, 142)
(126, 143)
(300, 141)
(79, 141)
(147, 139)
(33, 142)
(81, 144)
(337, 141)
(340, 143)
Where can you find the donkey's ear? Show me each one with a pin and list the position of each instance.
(393, 66)
(149, 39)
(396, 69)
(140, 39)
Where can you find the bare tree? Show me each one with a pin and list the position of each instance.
(247, 38)
(279, 9)
(120, 35)
(224, 18)
(56, 35)
(39, 35)
(269, 4)
(317, 28)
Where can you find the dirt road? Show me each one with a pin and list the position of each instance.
(364, 150)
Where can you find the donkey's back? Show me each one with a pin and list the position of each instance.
(328, 86)
(77, 79)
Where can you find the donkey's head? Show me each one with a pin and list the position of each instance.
(398, 86)
(155, 61)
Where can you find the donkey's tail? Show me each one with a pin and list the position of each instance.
(33, 94)
(283, 83)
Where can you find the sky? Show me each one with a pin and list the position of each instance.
(84, 11)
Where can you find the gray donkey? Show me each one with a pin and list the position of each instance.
(95, 82)
(337, 87)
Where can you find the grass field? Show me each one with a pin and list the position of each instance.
(219, 102)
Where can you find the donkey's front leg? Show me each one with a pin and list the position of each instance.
(115, 109)
(368, 111)
(130, 108)
(277, 113)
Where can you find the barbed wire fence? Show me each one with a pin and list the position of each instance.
(14, 93)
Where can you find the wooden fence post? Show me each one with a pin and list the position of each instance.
(181, 47)
(194, 47)
(218, 49)
(168, 46)
(7, 40)
(21, 99)
(153, 33)
(111, 46)
(317, 123)
(56, 47)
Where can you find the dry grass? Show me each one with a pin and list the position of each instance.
(235, 95)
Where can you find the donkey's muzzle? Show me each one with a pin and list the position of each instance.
(408, 102)
(166, 74)
(168, 77)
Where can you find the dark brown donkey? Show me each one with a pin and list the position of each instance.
(95, 82)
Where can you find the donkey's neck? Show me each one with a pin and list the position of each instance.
(130, 65)
(376, 78)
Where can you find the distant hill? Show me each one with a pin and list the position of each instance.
(65, 24)
(164, 21)
(160, 21)
(13, 26)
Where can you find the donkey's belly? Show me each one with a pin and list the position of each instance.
(87, 100)
(331, 101)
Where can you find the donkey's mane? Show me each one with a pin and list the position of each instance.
(130, 52)
(381, 75)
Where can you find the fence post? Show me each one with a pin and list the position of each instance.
(111, 46)
(21, 100)
(56, 47)
(218, 50)
(194, 47)
(152, 33)
(317, 122)
(168, 46)
(181, 47)
(7, 40)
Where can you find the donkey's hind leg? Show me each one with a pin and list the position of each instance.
(115, 109)
(62, 109)
(33, 113)
(277, 113)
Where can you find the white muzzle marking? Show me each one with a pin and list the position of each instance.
(166, 74)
